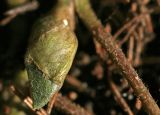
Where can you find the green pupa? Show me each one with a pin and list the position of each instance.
(50, 54)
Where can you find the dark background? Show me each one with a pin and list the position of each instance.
(14, 39)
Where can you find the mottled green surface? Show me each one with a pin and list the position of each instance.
(49, 57)
(42, 88)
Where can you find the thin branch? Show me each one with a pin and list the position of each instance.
(118, 97)
(130, 49)
(62, 104)
(65, 105)
(88, 16)
(27, 100)
(79, 86)
(51, 103)
(158, 1)
(11, 14)
(139, 46)
(126, 26)
(130, 31)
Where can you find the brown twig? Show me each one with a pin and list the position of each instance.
(11, 14)
(62, 104)
(79, 86)
(158, 1)
(66, 106)
(99, 50)
(27, 100)
(149, 24)
(118, 97)
(88, 16)
(51, 103)
(126, 26)
(139, 46)
(115, 90)
(130, 49)
(145, 26)
(130, 31)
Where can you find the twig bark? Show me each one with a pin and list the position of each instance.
(11, 14)
(27, 100)
(126, 26)
(130, 31)
(118, 97)
(88, 16)
(51, 103)
(65, 105)
(62, 104)
(79, 86)
(158, 1)
(130, 49)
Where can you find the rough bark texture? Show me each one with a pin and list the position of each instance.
(87, 15)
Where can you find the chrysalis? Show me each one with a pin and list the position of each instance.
(49, 57)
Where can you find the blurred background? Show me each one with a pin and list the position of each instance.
(89, 81)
